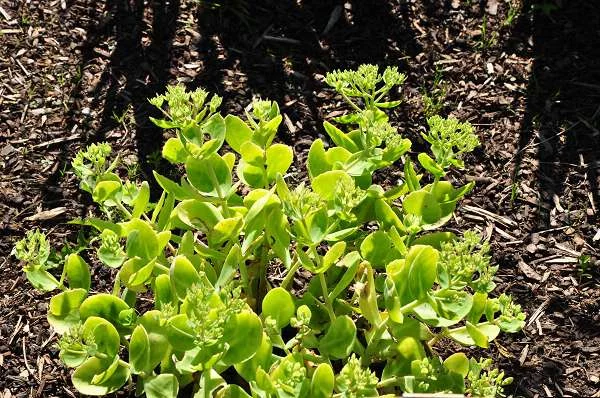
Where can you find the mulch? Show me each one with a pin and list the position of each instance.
(525, 73)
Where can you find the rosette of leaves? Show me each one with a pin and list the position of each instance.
(192, 310)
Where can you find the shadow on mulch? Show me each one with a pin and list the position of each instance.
(279, 47)
(563, 100)
(121, 86)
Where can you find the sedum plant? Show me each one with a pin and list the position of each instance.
(192, 306)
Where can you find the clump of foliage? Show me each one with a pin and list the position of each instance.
(387, 284)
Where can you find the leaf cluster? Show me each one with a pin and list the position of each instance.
(387, 284)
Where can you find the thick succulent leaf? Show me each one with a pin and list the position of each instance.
(339, 339)
(279, 304)
(210, 176)
(322, 382)
(237, 132)
(164, 385)
(244, 334)
(103, 305)
(64, 309)
(83, 377)
(174, 151)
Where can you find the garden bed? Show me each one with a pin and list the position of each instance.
(79, 72)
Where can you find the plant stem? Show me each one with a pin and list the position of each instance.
(348, 100)
(325, 292)
(290, 275)
(117, 285)
(124, 210)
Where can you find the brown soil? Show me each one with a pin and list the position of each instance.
(74, 72)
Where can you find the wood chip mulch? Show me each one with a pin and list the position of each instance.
(526, 73)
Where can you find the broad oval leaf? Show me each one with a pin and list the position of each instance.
(243, 334)
(78, 272)
(279, 159)
(139, 350)
(174, 151)
(164, 385)
(64, 309)
(322, 382)
(339, 339)
(279, 304)
(457, 363)
(83, 377)
(236, 132)
(325, 184)
(103, 305)
(422, 203)
(102, 334)
(211, 175)
(183, 275)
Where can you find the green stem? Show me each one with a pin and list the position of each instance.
(349, 101)
(117, 285)
(123, 209)
(325, 292)
(392, 381)
(290, 275)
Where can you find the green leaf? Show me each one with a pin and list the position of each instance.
(78, 272)
(279, 159)
(376, 248)
(317, 223)
(410, 175)
(351, 261)
(225, 230)
(279, 304)
(253, 154)
(237, 132)
(197, 214)
(163, 124)
(64, 309)
(435, 239)
(334, 253)
(103, 305)
(153, 323)
(42, 280)
(322, 382)
(171, 187)
(230, 266)
(457, 363)
(210, 382)
(174, 151)
(339, 137)
(317, 159)
(422, 203)
(263, 358)
(211, 175)
(105, 190)
(164, 385)
(388, 105)
(422, 265)
(480, 338)
(83, 377)
(139, 350)
(243, 334)
(142, 240)
(179, 333)
(103, 335)
(386, 217)
(339, 339)
(141, 200)
(430, 165)
(215, 126)
(183, 275)
(325, 183)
